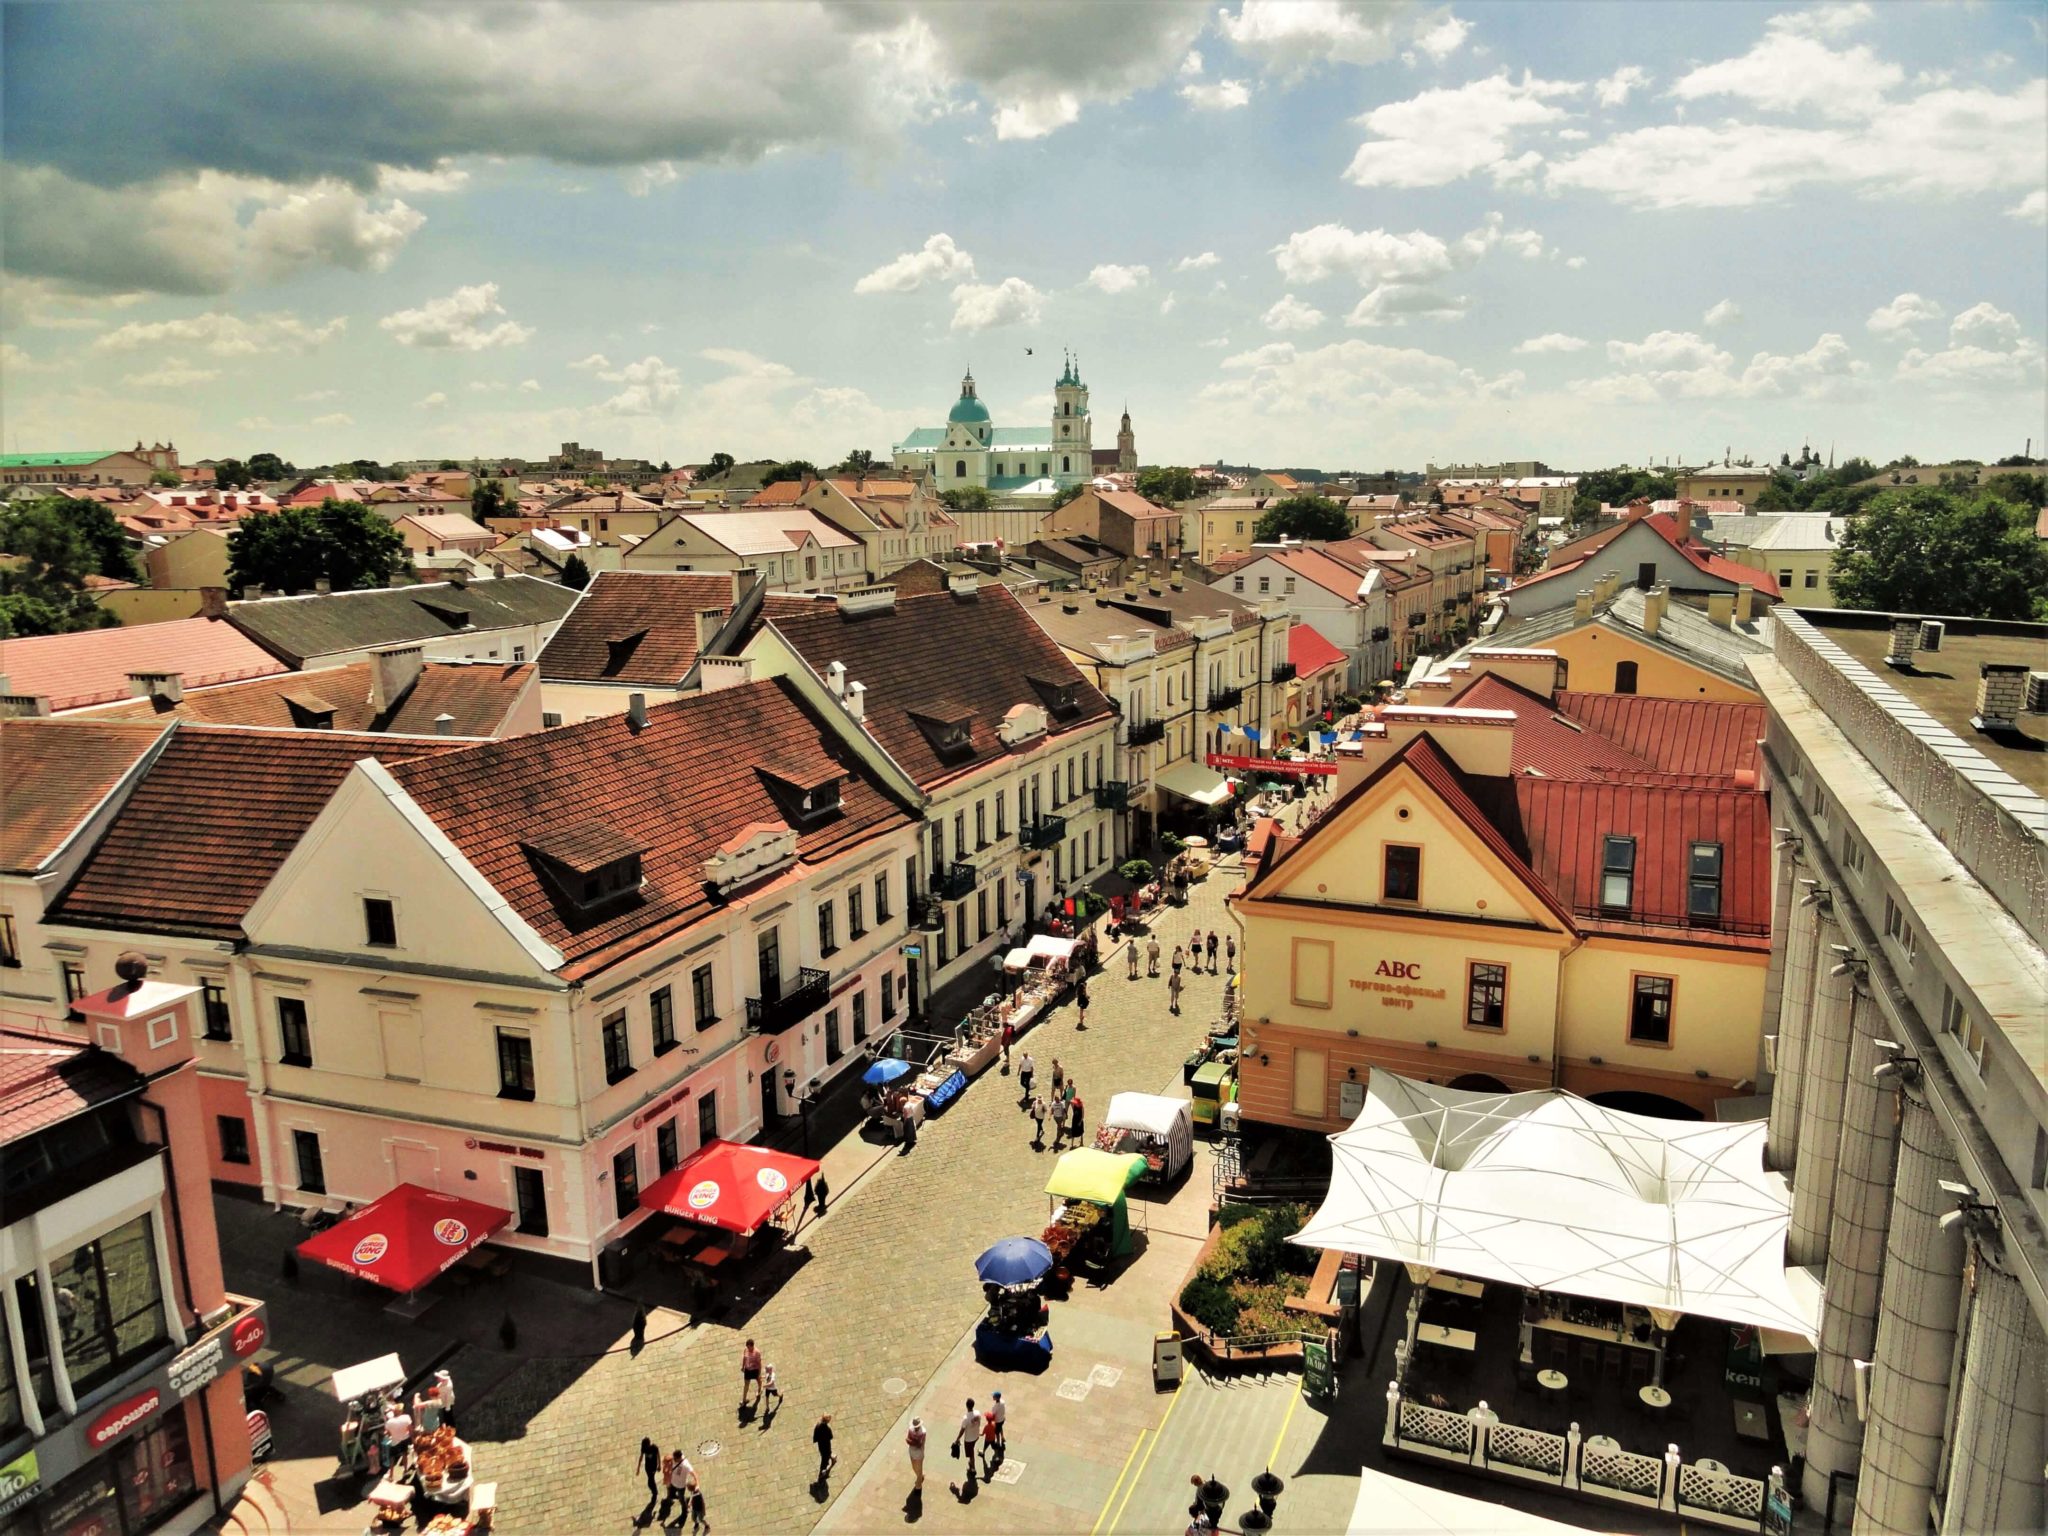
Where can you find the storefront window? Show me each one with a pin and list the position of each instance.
(154, 1473)
(109, 1303)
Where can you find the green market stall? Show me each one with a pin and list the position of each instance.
(1091, 1218)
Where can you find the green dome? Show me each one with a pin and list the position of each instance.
(970, 410)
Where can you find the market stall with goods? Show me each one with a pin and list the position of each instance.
(1091, 1218)
(1153, 1126)
(365, 1392)
(727, 1196)
(1012, 1332)
(406, 1238)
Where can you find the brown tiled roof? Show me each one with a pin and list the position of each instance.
(635, 627)
(209, 824)
(1131, 504)
(938, 652)
(478, 694)
(53, 773)
(495, 800)
(45, 1080)
(91, 666)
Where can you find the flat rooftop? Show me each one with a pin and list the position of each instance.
(1944, 682)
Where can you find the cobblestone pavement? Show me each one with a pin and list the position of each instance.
(870, 1301)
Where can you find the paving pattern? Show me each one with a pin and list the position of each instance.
(857, 1316)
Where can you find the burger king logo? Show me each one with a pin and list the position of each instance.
(371, 1248)
(771, 1179)
(703, 1194)
(450, 1232)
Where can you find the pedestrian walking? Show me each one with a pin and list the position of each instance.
(1074, 1119)
(650, 1463)
(1152, 956)
(913, 1442)
(676, 1477)
(1173, 990)
(1027, 1069)
(1000, 1412)
(988, 1440)
(1058, 1112)
(698, 1522)
(769, 1388)
(1195, 946)
(1037, 1113)
(819, 1191)
(750, 1373)
(1132, 951)
(1230, 954)
(1081, 1003)
(1180, 957)
(966, 1437)
(1059, 1077)
(1213, 947)
(821, 1437)
(1009, 1034)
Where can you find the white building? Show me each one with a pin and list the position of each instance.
(970, 450)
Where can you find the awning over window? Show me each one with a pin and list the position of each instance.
(729, 1185)
(405, 1238)
(1194, 781)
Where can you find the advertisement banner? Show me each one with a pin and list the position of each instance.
(1316, 1378)
(20, 1481)
(1235, 763)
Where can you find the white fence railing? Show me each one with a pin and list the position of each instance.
(1592, 1466)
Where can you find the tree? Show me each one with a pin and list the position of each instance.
(575, 573)
(266, 467)
(232, 474)
(795, 469)
(967, 498)
(450, 464)
(165, 477)
(1063, 495)
(294, 547)
(859, 462)
(487, 499)
(717, 465)
(1950, 550)
(1302, 517)
(56, 544)
(1617, 487)
(1167, 484)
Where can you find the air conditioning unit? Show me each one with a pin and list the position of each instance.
(2037, 693)
(1931, 631)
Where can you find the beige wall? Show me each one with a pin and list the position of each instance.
(1803, 574)
(189, 560)
(151, 605)
(1592, 650)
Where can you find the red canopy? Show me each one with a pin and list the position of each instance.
(405, 1238)
(729, 1185)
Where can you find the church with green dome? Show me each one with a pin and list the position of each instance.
(970, 450)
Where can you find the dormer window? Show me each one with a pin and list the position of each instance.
(590, 865)
(948, 729)
(806, 793)
(1061, 696)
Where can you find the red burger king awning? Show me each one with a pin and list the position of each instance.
(729, 1185)
(405, 1238)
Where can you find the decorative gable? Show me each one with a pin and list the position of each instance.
(1021, 724)
(758, 849)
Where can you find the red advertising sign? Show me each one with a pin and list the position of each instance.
(247, 1337)
(122, 1417)
(1267, 764)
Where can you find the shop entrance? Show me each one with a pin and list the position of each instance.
(530, 1197)
(768, 1114)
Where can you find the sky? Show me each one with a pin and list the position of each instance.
(1348, 235)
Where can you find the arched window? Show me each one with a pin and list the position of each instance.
(1066, 407)
(1624, 677)
(1065, 463)
(959, 469)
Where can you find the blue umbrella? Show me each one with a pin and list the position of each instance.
(1014, 1261)
(886, 1070)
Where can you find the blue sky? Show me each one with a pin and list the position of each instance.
(1351, 235)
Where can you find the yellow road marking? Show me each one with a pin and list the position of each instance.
(1157, 1435)
(1280, 1439)
(1122, 1473)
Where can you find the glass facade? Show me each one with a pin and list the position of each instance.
(109, 1303)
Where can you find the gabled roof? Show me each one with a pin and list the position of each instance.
(448, 525)
(320, 624)
(59, 460)
(1309, 652)
(47, 1079)
(1704, 736)
(209, 824)
(977, 653)
(1545, 742)
(91, 666)
(497, 800)
(1131, 504)
(53, 775)
(635, 627)
(1317, 568)
(774, 531)
(478, 695)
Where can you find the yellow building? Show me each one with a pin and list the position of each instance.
(1799, 550)
(1519, 890)
(1632, 641)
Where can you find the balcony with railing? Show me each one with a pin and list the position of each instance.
(953, 882)
(928, 913)
(1142, 733)
(1450, 603)
(1112, 795)
(1284, 671)
(772, 1015)
(1046, 832)
(1226, 698)
(1415, 619)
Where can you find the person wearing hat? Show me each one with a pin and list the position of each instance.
(914, 1443)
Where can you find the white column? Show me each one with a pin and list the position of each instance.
(17, 1349)
(53, 1335)
(1916, 1333)
(1994, 1481)
(1825, 1066)
(1794, 1022)
(1856, 1249)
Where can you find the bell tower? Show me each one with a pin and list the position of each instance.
(1126, 446)
(1072, 430)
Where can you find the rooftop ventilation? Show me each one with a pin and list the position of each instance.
(867, 600)
(2001, 696)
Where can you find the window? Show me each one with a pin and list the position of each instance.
(306, 1153)
(234, 1138)
(74, 981)
(707, 1117)
(945, 950)
(380, 922)
(519, 653)
(1070, 778)
(515, 1065)
(626, 1182)
(981, 824)
(856, 923)
(668, 1151)
(109, 1303)
(828, 939)
(10, 942)
(959, 469)
(213, 1002)
(1265, 583)
(549, 719)
(1403, 877)
(1237, 583)
(1289, 588)
(1899, 931)
(618, 1055)
(1784, 578)
(703, 997)
(960, 923)
(295, 1042)
(1649, 1014)
(661, 1014)
(1704, 895)
(771, 965)
(1486, 995)
(530, 1196)
(1618, 873)
(1624, 677)
(834, 1046)
(860, 1016)
(960, 834)
(1002, 816)
(1812, 579)
(888, 996)
(1852, 854)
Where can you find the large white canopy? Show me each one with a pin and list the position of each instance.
(1151, 1112)
(1546, 1189)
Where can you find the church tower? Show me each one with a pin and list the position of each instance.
(1126, 446)
(1072, 432)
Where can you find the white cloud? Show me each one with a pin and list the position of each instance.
(982, 306)
(1681, 365)
(1968, 368)
(1216, 95)
(1166, 305)
(1217, 341)
(313, 396)
(1398, 303)
(2031, 209)
(1441, 36)
(488, 386)
(1036, 116)
(1290, 314)
(1291, 37)
(1984, 323)
(334, 419)
(1727, 312)
(255, 424)
(1370, 256)
(1898, 318)
(1197, 263)
(14, 360)
(328, 225)
(1821, 20)
(529, 386)
(1668, 350)
(1281, 380)
(1111, 278)
(1551, 341)
(461, 321)
(224, 335)
(1786, 72)
(411, 181)
(1616, 88)
(432, 402)
(172, 373)
(1191, 65)
(1442, 136)
(590, 364)
(643, 179)
(940, 261)
(651, 386)
(1575, 262)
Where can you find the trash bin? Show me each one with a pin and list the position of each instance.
(614, 1264)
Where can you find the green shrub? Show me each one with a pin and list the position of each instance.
(1137, 871)
(1210, 1303)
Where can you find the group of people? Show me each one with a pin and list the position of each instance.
(432, 1406)
(674, 1480)
(1064, 1108)
(980, 1440)
(1185, 957)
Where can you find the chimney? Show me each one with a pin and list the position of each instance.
(718, 672)
(1721, 608)
(164, 687)
(1905, 637)
(2001, 695)
(1745, 603)
(393, 671)
(252, 592)
(1654, 602)
(322, 585)
(708, 622)
(857, 700)
(1582, 604)
(963, 583)
(213, 604)
(636, 711)
(835, 679)
(444, 724)
(1608, 582)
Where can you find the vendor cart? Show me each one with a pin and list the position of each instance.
(1213, 1085)
(1155, 1127)
(362, 1390)
(1091, 1219)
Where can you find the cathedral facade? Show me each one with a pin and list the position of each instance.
(970, 450)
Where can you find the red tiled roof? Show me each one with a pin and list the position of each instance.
(1309, 652)
(635, 627)
(1554, 571)
(1544, 742)
(53, 774)
(982, 655)
(478, 694)
(495, 800)
(1702, 736)
(209, 824)
(1317, 566)
(46, 1080)
(1131, 504)
(1223, 565)
(1706, 560)
(91, 666)
(783, 493)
